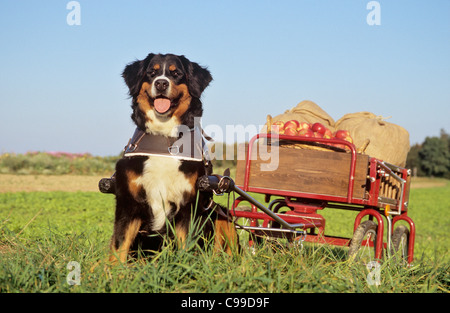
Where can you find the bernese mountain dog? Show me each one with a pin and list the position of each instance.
(156, 194)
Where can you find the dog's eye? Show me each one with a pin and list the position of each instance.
(152, 73)
(176, 73)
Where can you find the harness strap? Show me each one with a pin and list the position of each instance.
(189, 146)
(218, 209)
(139, 140)
(134, 141)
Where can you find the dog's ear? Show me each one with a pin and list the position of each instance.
(198, 78)
(134, 73)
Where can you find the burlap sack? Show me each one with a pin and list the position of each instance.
(387, 141)
(307, 111)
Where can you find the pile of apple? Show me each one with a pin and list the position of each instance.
(317, 130)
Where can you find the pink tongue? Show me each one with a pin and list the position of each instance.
(161, 105)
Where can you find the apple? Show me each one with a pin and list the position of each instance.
(291, 124)
(318, 135)
(279, 123)
(276, 130)
(303, 125)
(328, 134)
(277, 127)
(342, 134)
(306, 133)
(290, 131)
(349, 139)
(318, 128)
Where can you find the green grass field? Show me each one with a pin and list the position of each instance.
(41, 232)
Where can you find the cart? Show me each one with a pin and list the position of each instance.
(305, 181)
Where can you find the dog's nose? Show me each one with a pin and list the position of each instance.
(161, 84)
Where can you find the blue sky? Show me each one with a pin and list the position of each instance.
(61, 87)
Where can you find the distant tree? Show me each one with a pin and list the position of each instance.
(445, 137)
(435, 156)
(413, 161)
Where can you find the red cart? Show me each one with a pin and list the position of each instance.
(303, 182)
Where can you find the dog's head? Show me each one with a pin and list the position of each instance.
(165, 91)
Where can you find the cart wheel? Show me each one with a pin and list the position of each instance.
(363, 244)
(400, 243)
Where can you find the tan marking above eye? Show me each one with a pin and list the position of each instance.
(156, 67)
(172, 68)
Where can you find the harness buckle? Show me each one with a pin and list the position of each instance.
(174, 150)
(131, 147)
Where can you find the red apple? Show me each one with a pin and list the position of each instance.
(319, 128)
(328, 134)
(306, 133)
(341, 134)
(318, 135)
(303, 125)
(290, 131)
(291, 124)
(277, 127)
(349, 139)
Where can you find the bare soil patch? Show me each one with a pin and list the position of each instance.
(15, 183)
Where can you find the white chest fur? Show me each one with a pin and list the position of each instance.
(166, 126)
(163, 184)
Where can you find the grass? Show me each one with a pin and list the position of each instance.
(41, 232)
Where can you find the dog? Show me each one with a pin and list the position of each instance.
(156, 194)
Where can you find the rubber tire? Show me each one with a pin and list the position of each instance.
(401, 234)
(360, 233)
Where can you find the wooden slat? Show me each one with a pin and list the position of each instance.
(305, 171)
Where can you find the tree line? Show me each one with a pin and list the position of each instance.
(432, 157)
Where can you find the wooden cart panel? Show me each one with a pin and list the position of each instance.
(303, 171)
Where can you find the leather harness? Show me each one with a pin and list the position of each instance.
(190, 146)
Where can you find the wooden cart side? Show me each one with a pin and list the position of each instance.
(304, 171)
(394, 186)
